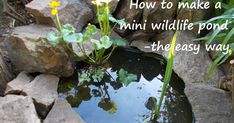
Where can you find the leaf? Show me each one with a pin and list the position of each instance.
(97, 44)
(90, 30)
(98, 75)
(119, 42)
(125, 78)
(70, 38)
(83, 77)
(119, 22)
(67, 29)
(79, 37)
(53, 38)
(168, 73)
(105, 42)
(228, 37)
(71, 85)
(75, 37)
(214, 34)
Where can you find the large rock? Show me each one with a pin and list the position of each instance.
(17, 109)
(5, 72)
(157, 14)
(193, 68)
(62, 113)
(130, 15)
(75, 12)
(17, 85)
(139, 35)
(43, 90)
(140, 41)
(195, 15)
(209, 104)
(30, 51)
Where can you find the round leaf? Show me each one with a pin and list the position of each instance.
(53, 38)
(105, 42)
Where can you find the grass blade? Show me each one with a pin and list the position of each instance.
(167, 74)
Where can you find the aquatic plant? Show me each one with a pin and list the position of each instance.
(67, 34)
(223, 37)
(168, 74)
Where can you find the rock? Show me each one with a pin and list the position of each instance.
(124, 12)
(195, 15)
(17, 109)
(139, 35)
(157, 14)
(43, 90)
(62, 113)
(5, 71)
(193, 68)
(17, 85)
(164, 38)
(30, 51)
(141, 46)
(75, 12)
(209, 104)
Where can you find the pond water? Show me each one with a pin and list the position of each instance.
(111, 102)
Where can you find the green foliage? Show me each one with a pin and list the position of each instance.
(119, 42)
(98, 75)
(125, 78)
(53, 38)
(103, 43)
(167, 74)
(67, 34)
(120, 22)
(225, 37)
(90, 30)
(189, 1)
(84, 77)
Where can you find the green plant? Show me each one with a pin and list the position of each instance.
(168, 73)
(67, 34)
(224, 37)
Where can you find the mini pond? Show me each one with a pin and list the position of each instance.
(109, 101)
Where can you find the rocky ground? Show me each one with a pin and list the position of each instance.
(34, 99)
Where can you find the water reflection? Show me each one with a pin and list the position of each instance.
(109, 101)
